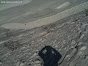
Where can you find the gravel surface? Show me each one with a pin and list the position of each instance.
(69, 37)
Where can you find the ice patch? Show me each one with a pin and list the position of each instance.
(66, 4)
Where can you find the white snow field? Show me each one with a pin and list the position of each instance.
(47, 20)
(6, 5)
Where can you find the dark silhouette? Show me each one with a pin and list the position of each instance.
(50, 56)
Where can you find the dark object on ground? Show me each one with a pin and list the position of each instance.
(50, 56)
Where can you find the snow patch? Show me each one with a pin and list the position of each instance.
(79, 53)
(2, 42)
(64, 5)
(83, 48)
